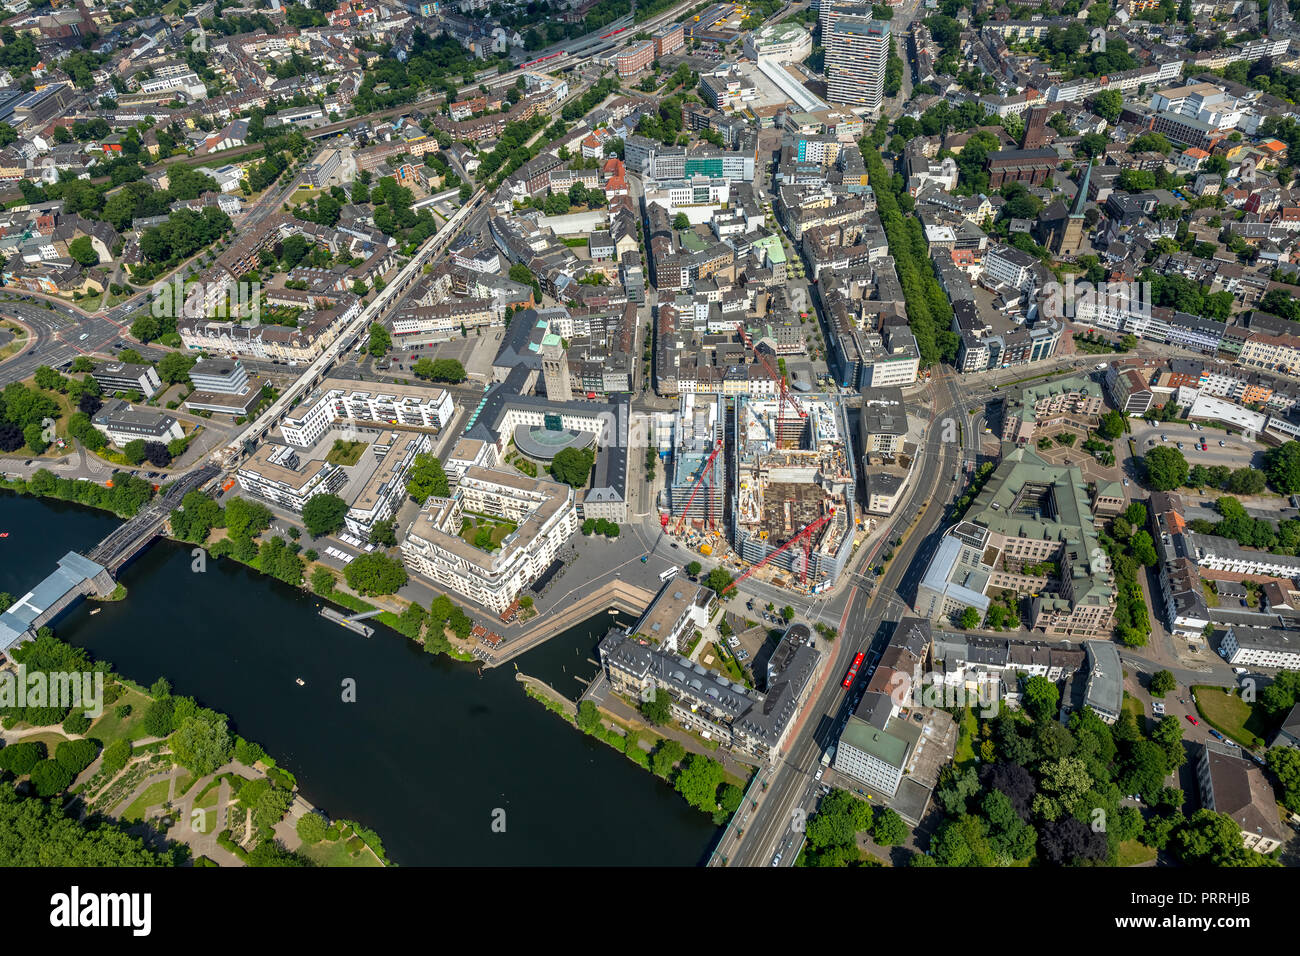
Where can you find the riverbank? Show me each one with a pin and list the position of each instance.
(699, 778)
(169, 771)
(413, 749)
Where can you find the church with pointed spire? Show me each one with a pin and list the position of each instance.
(1061, 229)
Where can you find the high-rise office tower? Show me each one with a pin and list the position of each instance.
(857, 49)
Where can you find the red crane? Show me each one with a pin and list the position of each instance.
(804, 537)
(784, 391)
(699, 480)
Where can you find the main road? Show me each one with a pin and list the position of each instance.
(773, 826)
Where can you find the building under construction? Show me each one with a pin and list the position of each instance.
(793, 467)
(696, 488)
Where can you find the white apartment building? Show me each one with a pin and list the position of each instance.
(545, 517)
(399, 405)
(276, 473)
(1261, 647)
(385, 490)
(1009, 266)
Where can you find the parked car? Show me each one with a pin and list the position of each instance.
(1193, 719)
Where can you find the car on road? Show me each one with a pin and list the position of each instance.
(776, 860)
(1180, 446)
(674, 544)
(1222, 443)
(818, 774)
(1164, 438)
(1193, 719)
(1125, 482)
(1215, 734)
(83, 336)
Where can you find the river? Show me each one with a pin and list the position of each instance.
(428, 755)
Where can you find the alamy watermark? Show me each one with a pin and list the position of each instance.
(1088, 301)
(71, 690)
(225, 300)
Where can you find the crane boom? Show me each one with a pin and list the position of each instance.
(695, 489)
(782, 389)
(804, 536)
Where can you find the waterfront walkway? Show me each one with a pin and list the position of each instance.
(615, 594)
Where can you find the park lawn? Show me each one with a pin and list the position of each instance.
(499, 529)
(51, 739)
(208, 795)
(965, 752)
(345, 452)
(1230, 715)
(109, 727)
(154, 795)
(183, 784)
(341, 852)
(1131, 853)
(1134, 706)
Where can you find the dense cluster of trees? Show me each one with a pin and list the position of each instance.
(1179, 292)
(375, 573)
(1282, 467)
(427, 477)
(929, 313)
(573, 466)
(600, 526)
(439, 370)
(1050, 793)
(184, 233)
(127, 496)
(324, 514)
(1238, 525)
(1131, 549)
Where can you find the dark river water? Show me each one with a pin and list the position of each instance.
(427, 754)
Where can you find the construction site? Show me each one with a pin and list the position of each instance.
(697, 484)
(793, 517)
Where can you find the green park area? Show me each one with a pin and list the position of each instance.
(345, 452)
(484, 532)
(1227, 713)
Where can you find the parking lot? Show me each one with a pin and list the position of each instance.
(1221, 447)
(474, 351)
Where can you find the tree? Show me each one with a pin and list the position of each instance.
(1042, 698)
(1166, 468)
(1285, 764)
(1162, 682)
(83, 251)
(380, 341)
(50, 777)
(202, 743)
(134, 451)
(588, 719)
(322, 580)
(694, 568)
(1281, 466)
(573, 466)
(1144, 549)
(375, 573)
(174, 367)
(720, 580)
(1111, 425)
(887, 827)
(34, 436)
(246, 519)
(657, 708)
(666, 755)
(426, 478)
(323, 514)
(787, 613)
(196, 517)
(698, 782)
(681, 222)
(1246, 481)
(384, 532)
(970, 618)
(1108, 105)
(311, 828)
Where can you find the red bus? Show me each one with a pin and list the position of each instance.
(853, 669)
